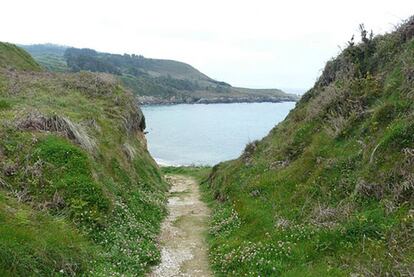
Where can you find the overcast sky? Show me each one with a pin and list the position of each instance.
(259, 43)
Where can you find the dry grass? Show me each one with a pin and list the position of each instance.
(90, 83)
(336, 69)
(404, 190)
(319, 103)
(329, 217)
(248, 152)
(400, 191)
(336, 124)
(36, 121)
(130, 151)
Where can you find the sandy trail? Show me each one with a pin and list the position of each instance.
(184, 250)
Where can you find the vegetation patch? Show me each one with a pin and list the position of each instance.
(79, 192)
(5, 105)
(198, 172)
(329, 192)
(32, 241)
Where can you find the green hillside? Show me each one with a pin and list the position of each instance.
(50, 56)
(13, 57)
(79, 192)
(330, 190)
(153, 81)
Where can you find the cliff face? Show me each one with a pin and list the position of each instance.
(330, 190)
(79, 192)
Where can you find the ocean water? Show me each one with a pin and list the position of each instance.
(198, 134)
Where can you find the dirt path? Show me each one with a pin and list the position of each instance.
(184, 250)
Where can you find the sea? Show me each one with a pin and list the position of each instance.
(207, 134)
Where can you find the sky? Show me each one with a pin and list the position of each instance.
(258, 44)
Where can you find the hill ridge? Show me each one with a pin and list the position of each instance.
(154, 81)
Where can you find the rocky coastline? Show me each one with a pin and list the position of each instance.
(150, 100)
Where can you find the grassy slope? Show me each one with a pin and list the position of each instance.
(11, 55)
(79, 191)
(330, 191)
